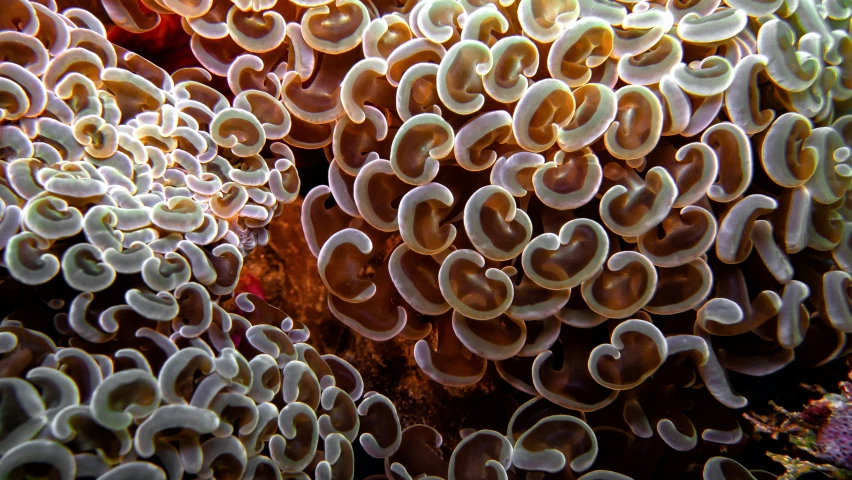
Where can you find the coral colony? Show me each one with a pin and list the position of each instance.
(614, 203)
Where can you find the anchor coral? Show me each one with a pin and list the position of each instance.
(615, 203)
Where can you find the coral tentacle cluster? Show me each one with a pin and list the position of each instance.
(616, 203)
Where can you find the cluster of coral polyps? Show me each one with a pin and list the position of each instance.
(128, 197)
(543, 441)
(114, 167)
(615, 202)
(486, 160)
(244, 399)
